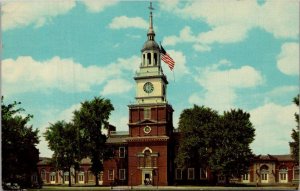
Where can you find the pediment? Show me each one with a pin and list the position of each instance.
(147, 121)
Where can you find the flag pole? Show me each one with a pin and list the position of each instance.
(173, 75)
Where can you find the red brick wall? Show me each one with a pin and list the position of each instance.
(135, 174)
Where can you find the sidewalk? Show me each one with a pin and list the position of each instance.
(203, 188)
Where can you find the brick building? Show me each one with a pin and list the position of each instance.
(145, 154)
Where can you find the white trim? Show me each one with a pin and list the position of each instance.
(147, 148)
(123, 152)
(176, 177)
(113, 171)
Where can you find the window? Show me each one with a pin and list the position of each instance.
(148, 58)
(155, 59)
(34, 178)
(264, 171)
(144, 59)
(122, 175)
(52, 176)
(147, 158)
(81, 177)
(101, 176)
(283, 173)
(147, 113)
(121, 152)
(203, 173)
(191, 174)
(66, 176)
(178, 175)
(110, 174)
(43, 175)
(91, 176)
(245, 177)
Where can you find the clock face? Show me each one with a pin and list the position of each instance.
(148, 87)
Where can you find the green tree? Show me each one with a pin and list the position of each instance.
(295, 134)
(91, 118)
(195, 125)
(19, 140)
(230, 143)
(63, 139)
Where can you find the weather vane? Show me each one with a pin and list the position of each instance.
(150, 7)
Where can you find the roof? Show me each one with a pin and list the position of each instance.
(150, 45)
(86, 161)
(268, 157)
(118, 137)
(44, 161)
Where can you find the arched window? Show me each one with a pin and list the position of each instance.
(53, 177)
(149, 58)
(144, 60)
(264, 174)
(155, 59)
(147, 155)
(43, 175)
(283, 174)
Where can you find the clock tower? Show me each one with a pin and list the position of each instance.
(150, 153)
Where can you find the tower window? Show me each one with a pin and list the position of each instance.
(155, 59)
(143, 63)
(147, 113)
(149, 58)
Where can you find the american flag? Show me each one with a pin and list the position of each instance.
(166, 58)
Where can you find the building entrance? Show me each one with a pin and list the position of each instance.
(147, 177)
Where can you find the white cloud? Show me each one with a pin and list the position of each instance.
(26, 74)
(288, 59)
(273, 124)
(98, 6)
(201, 48)
(17, 14)
(220, 85)
(283, 90)
(116, 86)
(126, 22)
(230, 21)
(50, 117)
(120, 122)
(180, 68)
(23, 13)
(185, 35)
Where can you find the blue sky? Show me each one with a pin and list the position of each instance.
(228, 54)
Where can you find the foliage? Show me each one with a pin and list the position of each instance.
(63, 139)
(295, 134)
(230, 143)
(19, 140)
(221, 141)
(90, 119)
(195, 125)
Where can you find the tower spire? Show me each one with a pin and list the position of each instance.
(150, 33)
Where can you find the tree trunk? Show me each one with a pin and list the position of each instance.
(70, 177)
(226, 180)
(97, 179)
